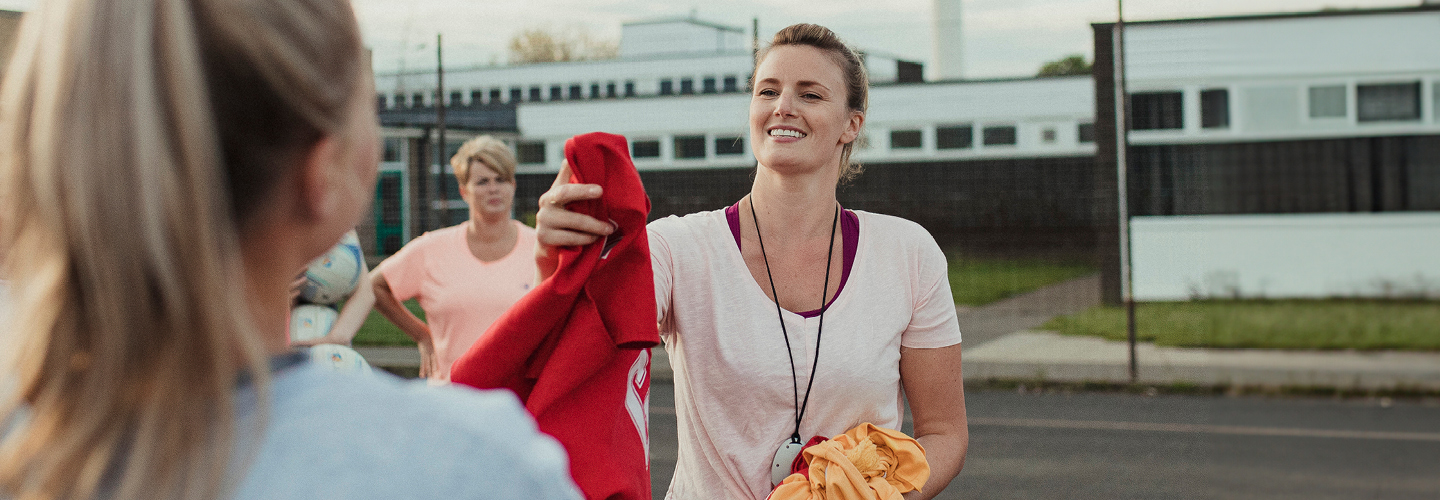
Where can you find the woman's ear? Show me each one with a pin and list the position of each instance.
(852, 130)
(319, 194)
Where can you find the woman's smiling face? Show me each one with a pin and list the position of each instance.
(799, 119)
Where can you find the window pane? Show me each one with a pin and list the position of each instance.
(1156, 111)
(1048, 135)
(999, 136)
(904, 139)
(1327, 101)
(729, 146)
(534, 93)
(958, 137)
(515, 95)
(687, 86)
(456, 99)
(530, 152)
(667, 87)
(494, 96)
(390, 201)
(645, 149)
(392, 149)
(732, 84)
(477, 97)
(709, 85)
(379, 101)
(1215, 108)
(575, 92)
(610, 89)
(594, 90)
(629, 89)
(1388, 102)
(690, 146)
(555, 92)
(417, 100)
(1086, 132)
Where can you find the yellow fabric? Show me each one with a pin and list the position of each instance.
(866, 463)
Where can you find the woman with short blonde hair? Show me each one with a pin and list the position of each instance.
(464, 276)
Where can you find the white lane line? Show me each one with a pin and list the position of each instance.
(1205, 429)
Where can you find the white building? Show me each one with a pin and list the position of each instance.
(1288, 155)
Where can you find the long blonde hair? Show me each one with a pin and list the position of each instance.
(137, 140)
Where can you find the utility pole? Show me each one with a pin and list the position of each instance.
(442, 200)
(1122, 146)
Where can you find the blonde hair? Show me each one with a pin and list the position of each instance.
(129, 323)
(857, 80)
(487, 150)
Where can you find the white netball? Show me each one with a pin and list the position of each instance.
(334, 276)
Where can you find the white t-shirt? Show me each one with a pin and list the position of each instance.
(734, 392)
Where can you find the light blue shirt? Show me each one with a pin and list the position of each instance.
(357, 436)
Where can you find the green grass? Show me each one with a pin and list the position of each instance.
(1281, 324)
(977, 280)
(378, 331)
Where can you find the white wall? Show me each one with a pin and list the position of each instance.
(1280, 256)
(1283, 47)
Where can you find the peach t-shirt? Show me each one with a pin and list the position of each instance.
(461, 295)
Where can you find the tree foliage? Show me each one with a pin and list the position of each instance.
(546, 44)
(1074, 64)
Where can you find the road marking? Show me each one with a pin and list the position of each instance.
(1204, 429)
(1236, 430)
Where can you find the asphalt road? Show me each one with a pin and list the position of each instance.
(1116, 446)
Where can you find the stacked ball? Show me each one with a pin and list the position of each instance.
(328, 280)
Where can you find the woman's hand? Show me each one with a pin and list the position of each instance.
(557, 227)
(429, 364)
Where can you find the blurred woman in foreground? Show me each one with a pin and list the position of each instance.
(168, 167)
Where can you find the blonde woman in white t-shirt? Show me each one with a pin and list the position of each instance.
(739, 293)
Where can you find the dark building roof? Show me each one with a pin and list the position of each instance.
(483, 118)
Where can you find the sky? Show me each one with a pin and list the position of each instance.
(1001, 38)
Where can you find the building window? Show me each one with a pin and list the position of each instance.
(456, 99)
(494, 96)
(690, 146)
(732, 84)
(390, 213)
(1047, 135)
(399, 100)
(392, 149)
(904, 139)
(534, 94)
(998, 136)
(576, 92)
(477, 97)
(1156, 111)
(687, 85)
(667, 87)
(649, 148)
(380, 101)
(1085, 132)
(1388, 102)
(515, 95)
(417, 100)
(1215, 108)
(556, 92)
(630, 88)
(708, 85)
(954, 137)
(530, 152)
(594, 91)
(610, 90)
(733, 145)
